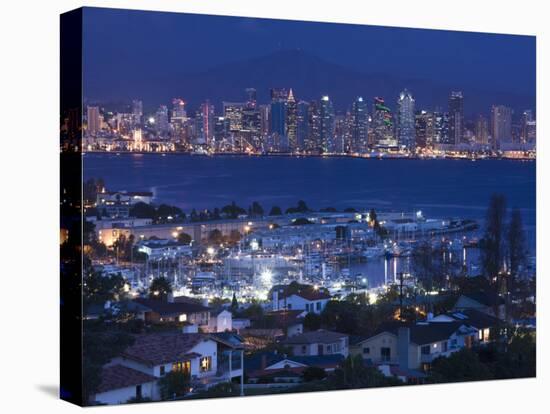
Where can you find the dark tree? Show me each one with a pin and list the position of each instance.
(312, 322)
(215, 237)
(164, 211)
(234, 236)
(174, 384)
(160, 288)
(256, 210)
(517, 250)
(184, 238)
(492, 245)
(301, 221)
(313, 374)
(275, 211)
(234, 304)
(99, 288)
(143, 210)
(463, 365)
(233, 210)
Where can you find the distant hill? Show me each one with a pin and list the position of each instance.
(310, 77)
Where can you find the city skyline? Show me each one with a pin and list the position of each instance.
(288, 124)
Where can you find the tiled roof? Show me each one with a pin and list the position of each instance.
(285, 318)
(475, 318)
(117, 376)
(321, 336)
(164, 308)
(163, 348)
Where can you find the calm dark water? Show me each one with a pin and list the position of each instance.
(442, 188)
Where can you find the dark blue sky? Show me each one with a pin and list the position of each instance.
(124, 49)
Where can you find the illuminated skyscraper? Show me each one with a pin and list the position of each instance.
(94, 121)
(481, 130)
(382, 124)
(291, 121)
(137, 111)
(161, 120)
(279, 97)
(441, 127)
(528, 127)
(456, 118)
(265, 122)
(326, 124)
(424, 126)
(501, 125)
(406, 121)
(302, 124)
(251, 98)
(204, 121)
(359, 125)
(233, 111)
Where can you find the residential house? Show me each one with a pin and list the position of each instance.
(272, 367)
(207, 359)
(307, 298)
(415, 346)
(120, 384)
(240, 323)
(321, 342)
(487, 326)
(290, 321)
(220, 321)
(158, 311)
(488, 303)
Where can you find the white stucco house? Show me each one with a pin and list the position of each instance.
(307, 299)
(207, 359)
(220, 321)
(119, 384)
(416, 346)
(316, 343)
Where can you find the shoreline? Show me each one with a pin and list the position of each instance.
(339, 156)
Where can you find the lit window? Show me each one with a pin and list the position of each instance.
(206, 364)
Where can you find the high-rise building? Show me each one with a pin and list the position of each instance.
(137, 111)
(251, 98)
(326, 125)
(94, 121)
(178, 109)
(314, 125)
(425, 129)
(291, 121)
(501, 125)
(528, 127)
(456, 118)
(233, 111)
(358, 126)
(204, 121)
(382, 124)
(481, 130)
(406, 121)
(279, 97)
(441, 128)
(178, 119)
(161, 120)
(265, 119)
(302, 124)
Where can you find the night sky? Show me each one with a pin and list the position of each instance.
(123, 50)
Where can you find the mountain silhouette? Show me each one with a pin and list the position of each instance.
(310, 77)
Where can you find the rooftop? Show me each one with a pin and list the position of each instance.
(321, 336)
(162, 348)
(117, 376)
